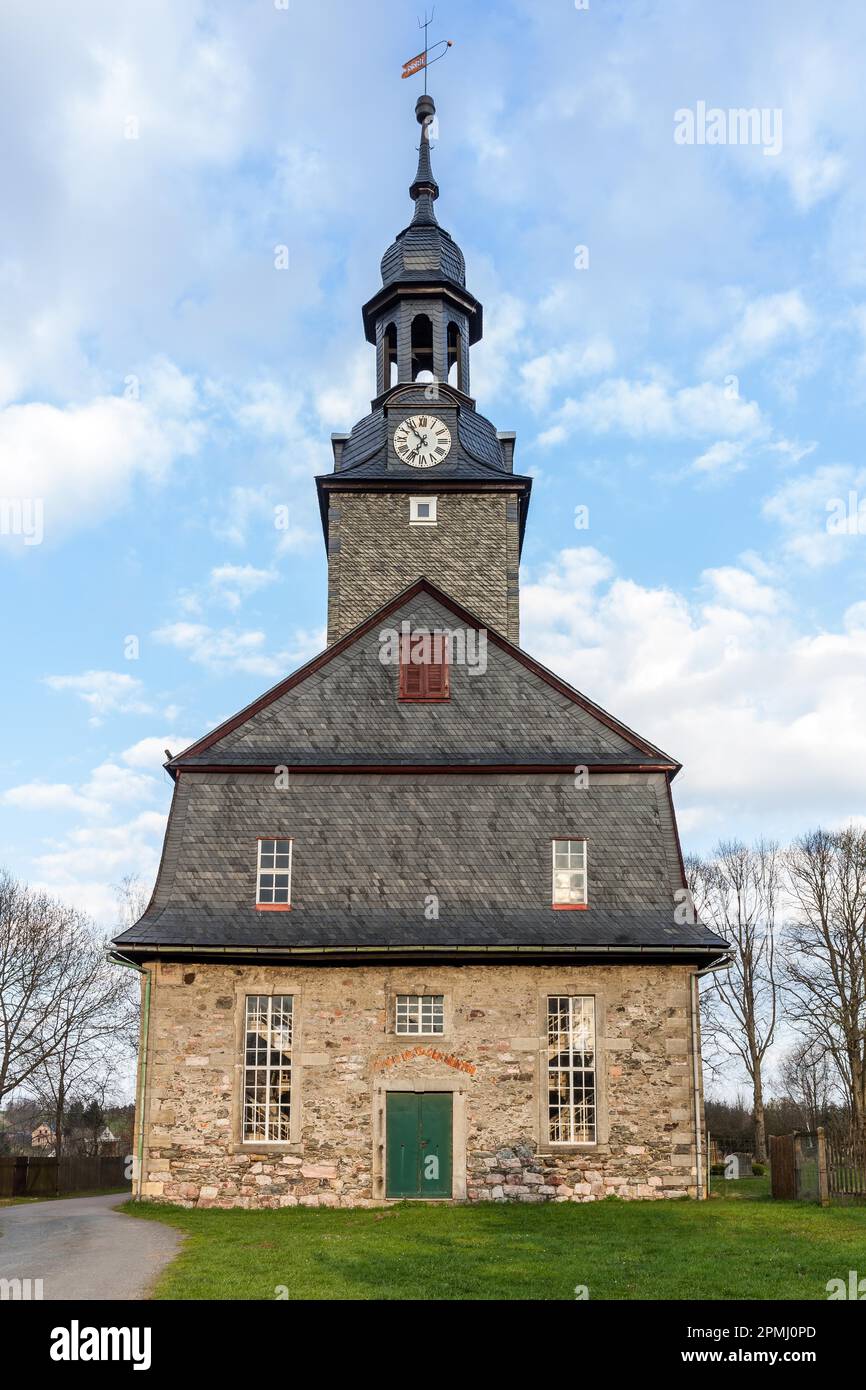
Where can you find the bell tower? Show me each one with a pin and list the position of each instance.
(423, 485)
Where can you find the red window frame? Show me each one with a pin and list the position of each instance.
(425, 682)
(274, 907)
(576, 840)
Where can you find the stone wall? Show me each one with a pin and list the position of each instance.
(346, 1057)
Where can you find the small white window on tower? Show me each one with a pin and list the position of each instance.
(422, 511)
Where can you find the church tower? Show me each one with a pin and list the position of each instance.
(420, 929)
(424, 485)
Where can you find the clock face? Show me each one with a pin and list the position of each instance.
(422, 441)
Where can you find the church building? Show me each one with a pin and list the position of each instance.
(420, 928)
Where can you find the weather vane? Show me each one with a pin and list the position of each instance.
(424, 60)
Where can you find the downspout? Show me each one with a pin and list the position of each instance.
(142, 1077)
(722, 964)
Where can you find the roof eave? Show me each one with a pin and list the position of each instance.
(644, 954)
(401, 289)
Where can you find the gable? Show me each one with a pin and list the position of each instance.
(343, 709)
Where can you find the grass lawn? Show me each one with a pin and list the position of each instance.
(740, 1244)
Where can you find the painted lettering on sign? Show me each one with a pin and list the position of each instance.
(457, 1063)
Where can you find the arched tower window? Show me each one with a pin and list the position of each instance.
(422, 345)
(455, 356)
(389, 356)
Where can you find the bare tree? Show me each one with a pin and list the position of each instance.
(737, 891)
(826, 954)
(38, 938)
(90, 1020)
(132, 899)
(807, 1078)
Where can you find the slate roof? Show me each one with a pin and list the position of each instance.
(516, 713)
(424, 250)
(478, 454)
(369, 847)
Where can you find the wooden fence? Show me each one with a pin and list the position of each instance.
(817, 1168)
(42, 1177)
(846, 1169)
(783, 1167)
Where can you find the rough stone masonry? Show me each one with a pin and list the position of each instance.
(344, 1054)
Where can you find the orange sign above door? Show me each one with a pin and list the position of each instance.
(457, 1063)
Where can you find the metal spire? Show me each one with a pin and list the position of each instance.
(425, 190)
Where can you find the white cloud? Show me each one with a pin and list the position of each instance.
(762, 325)
(270, 410)
(104, 692)
(233, 583)
(150, 752)
(542, 375)
(82, 867)
(81, 460)
(50, 796)
(815, 176)
(791, 451)
(652, 409)
(722, 458)
(766, 718)
(265, 509)
(113, 785)
(107, 787)
(806, 508)
(742, 590)
(225, 650)
(220, 649)
(339, 404)
(493, 357)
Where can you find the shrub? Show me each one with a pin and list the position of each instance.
(759, 1169)
(717, 1170)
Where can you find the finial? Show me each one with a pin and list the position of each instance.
(425, 190)
(425, 109)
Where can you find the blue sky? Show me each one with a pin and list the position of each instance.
(699, 386)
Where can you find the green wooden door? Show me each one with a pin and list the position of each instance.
(418, 1143)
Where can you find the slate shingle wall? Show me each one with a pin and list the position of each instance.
(471, 554)
(367, 844)
(348, 712)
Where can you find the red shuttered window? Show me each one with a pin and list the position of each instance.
(424, 667)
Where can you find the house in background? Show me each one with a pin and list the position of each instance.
(420, 928)
(107, 1144)
(42, 1138)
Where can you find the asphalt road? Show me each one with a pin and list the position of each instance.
(81, 1249)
